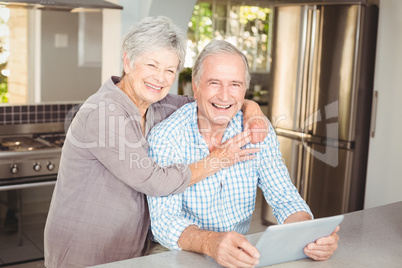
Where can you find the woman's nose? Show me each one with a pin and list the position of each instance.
(159, 75)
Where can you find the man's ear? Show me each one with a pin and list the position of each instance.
(126, 63)
(194, 89)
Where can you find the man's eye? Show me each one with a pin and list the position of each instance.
(151, 65)
(171, 71)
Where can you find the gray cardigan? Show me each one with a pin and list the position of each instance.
(99, 212)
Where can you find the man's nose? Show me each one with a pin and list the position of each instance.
(224, 93)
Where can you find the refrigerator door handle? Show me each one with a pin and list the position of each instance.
(302, 75)
(305, 177)
(299, 167)
(374, 114)
(310, 117)
(300, 136)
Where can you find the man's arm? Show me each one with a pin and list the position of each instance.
(167, 222)
(286, 202)
(228, 249)
(298, 216)
(275, 182)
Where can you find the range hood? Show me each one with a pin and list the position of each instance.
(67, 5)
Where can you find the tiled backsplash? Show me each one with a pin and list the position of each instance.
(33, 114)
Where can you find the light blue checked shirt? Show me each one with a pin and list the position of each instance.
(224, 201)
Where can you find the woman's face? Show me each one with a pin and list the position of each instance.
(151, 77)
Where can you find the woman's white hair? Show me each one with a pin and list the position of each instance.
(150, 34)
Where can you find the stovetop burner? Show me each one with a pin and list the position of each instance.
(20, 144)
(31, 143)
(55, 139)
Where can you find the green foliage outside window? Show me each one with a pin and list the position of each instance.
(3, 65)
(246, 27)
(3, 87)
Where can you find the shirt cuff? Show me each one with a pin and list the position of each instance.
(174, 234)
(283, 214)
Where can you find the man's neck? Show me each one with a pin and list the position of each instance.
(212, 133)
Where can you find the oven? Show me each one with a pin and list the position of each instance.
(29, 162)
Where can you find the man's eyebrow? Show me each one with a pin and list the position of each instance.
(237, 81)
(232, 81)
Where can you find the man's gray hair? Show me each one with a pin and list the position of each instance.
(218, 47)
(151, 34)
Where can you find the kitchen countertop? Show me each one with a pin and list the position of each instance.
(368, 238)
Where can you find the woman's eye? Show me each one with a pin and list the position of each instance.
(171, 71)
(151, 65)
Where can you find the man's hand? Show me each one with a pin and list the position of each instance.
(229, 249)
(255, 120)
(323, 248)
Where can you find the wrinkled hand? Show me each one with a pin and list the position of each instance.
(323, 248)
(231, 249)
(230, 152)
(259, 127)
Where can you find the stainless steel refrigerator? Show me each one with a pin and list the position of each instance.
(320, 98)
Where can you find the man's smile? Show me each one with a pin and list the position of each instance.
(221, 106)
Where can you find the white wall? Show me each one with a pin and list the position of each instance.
(61, 76)
(384, 178)
(111, 42)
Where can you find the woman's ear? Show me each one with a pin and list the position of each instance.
(126, 63)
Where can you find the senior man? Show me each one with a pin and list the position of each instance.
(212, 216)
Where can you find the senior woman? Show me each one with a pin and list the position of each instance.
(99, 212)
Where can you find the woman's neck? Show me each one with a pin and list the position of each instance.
(141, 105)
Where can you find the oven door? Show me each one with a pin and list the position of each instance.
(24, 204)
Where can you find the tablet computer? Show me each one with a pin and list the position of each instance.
(285, 242)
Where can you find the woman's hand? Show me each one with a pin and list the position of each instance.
(225, 155)
(255, 121)
(230, 152)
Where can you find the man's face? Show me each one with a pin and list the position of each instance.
(220, 94)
